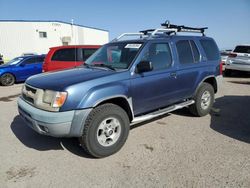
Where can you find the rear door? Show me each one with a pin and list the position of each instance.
(65, 58)
(189, 66)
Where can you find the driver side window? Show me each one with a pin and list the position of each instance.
(159, 54)
(30, 61)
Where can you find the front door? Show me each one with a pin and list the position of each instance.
(29, 67)
(157, 88)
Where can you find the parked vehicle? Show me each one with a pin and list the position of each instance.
(123, 83)
(29, 53)
(1, 59)
(20, 68)
(63, 57)
(224, 54)
(238, 60)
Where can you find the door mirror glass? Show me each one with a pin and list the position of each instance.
(144, 66)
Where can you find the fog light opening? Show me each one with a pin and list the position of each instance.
(43, 128)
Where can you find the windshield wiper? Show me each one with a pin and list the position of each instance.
(103, 65)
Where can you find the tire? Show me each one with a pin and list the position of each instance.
(204, 99)
(7, 79)
(100, 142)
(227, 72)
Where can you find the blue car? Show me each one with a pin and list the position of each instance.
(20, 68)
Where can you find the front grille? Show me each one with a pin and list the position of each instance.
(28, 99)
(28, 88)
(29, 93)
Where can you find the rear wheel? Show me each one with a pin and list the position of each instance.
(204, 100)
(7, 79)
(105, 131)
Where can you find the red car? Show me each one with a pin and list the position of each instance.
(63, 57)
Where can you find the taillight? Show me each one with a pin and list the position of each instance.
(232, 55)
(221, 67)
(44, 67)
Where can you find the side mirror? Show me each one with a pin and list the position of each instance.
(22, 65)
(144, 66)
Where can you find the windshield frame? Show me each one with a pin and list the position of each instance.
(90, 60)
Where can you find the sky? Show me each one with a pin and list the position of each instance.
(228, 21)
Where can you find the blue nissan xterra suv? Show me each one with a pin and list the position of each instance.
(123, 83)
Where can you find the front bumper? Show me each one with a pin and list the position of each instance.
(57, 124)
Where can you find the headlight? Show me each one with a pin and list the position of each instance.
(54, 98)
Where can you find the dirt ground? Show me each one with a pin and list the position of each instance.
(175, 150)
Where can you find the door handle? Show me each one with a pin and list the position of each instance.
(173, 74)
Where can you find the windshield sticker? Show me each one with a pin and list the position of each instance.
(136, 46)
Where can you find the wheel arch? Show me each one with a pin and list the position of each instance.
(210, 80)
(121, 101)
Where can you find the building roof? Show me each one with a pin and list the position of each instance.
(53, 21)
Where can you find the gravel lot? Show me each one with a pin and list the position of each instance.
(176, 150)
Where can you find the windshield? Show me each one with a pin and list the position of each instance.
(115, 55)
(14, 61)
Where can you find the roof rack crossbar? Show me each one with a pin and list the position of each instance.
(163, 30)
(147, 31)
(183, 28)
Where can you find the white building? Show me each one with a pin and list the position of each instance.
(18, 37)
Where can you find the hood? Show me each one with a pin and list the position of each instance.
(59, 80)
(5, 66)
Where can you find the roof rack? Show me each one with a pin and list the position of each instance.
(167, 29)
(183, 28)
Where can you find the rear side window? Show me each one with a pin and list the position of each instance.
(210, 49)
(40, 59)
(87, 53)
(242, 49)
(68, 54)
(184, 52)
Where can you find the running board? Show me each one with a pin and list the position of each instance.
(161, 112)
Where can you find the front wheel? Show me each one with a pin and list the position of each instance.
(7, 79)
(204, 100)
(105, 131)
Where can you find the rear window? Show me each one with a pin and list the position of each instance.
(242, 49)
(68, 54)
(87, 53)
(210, 49)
